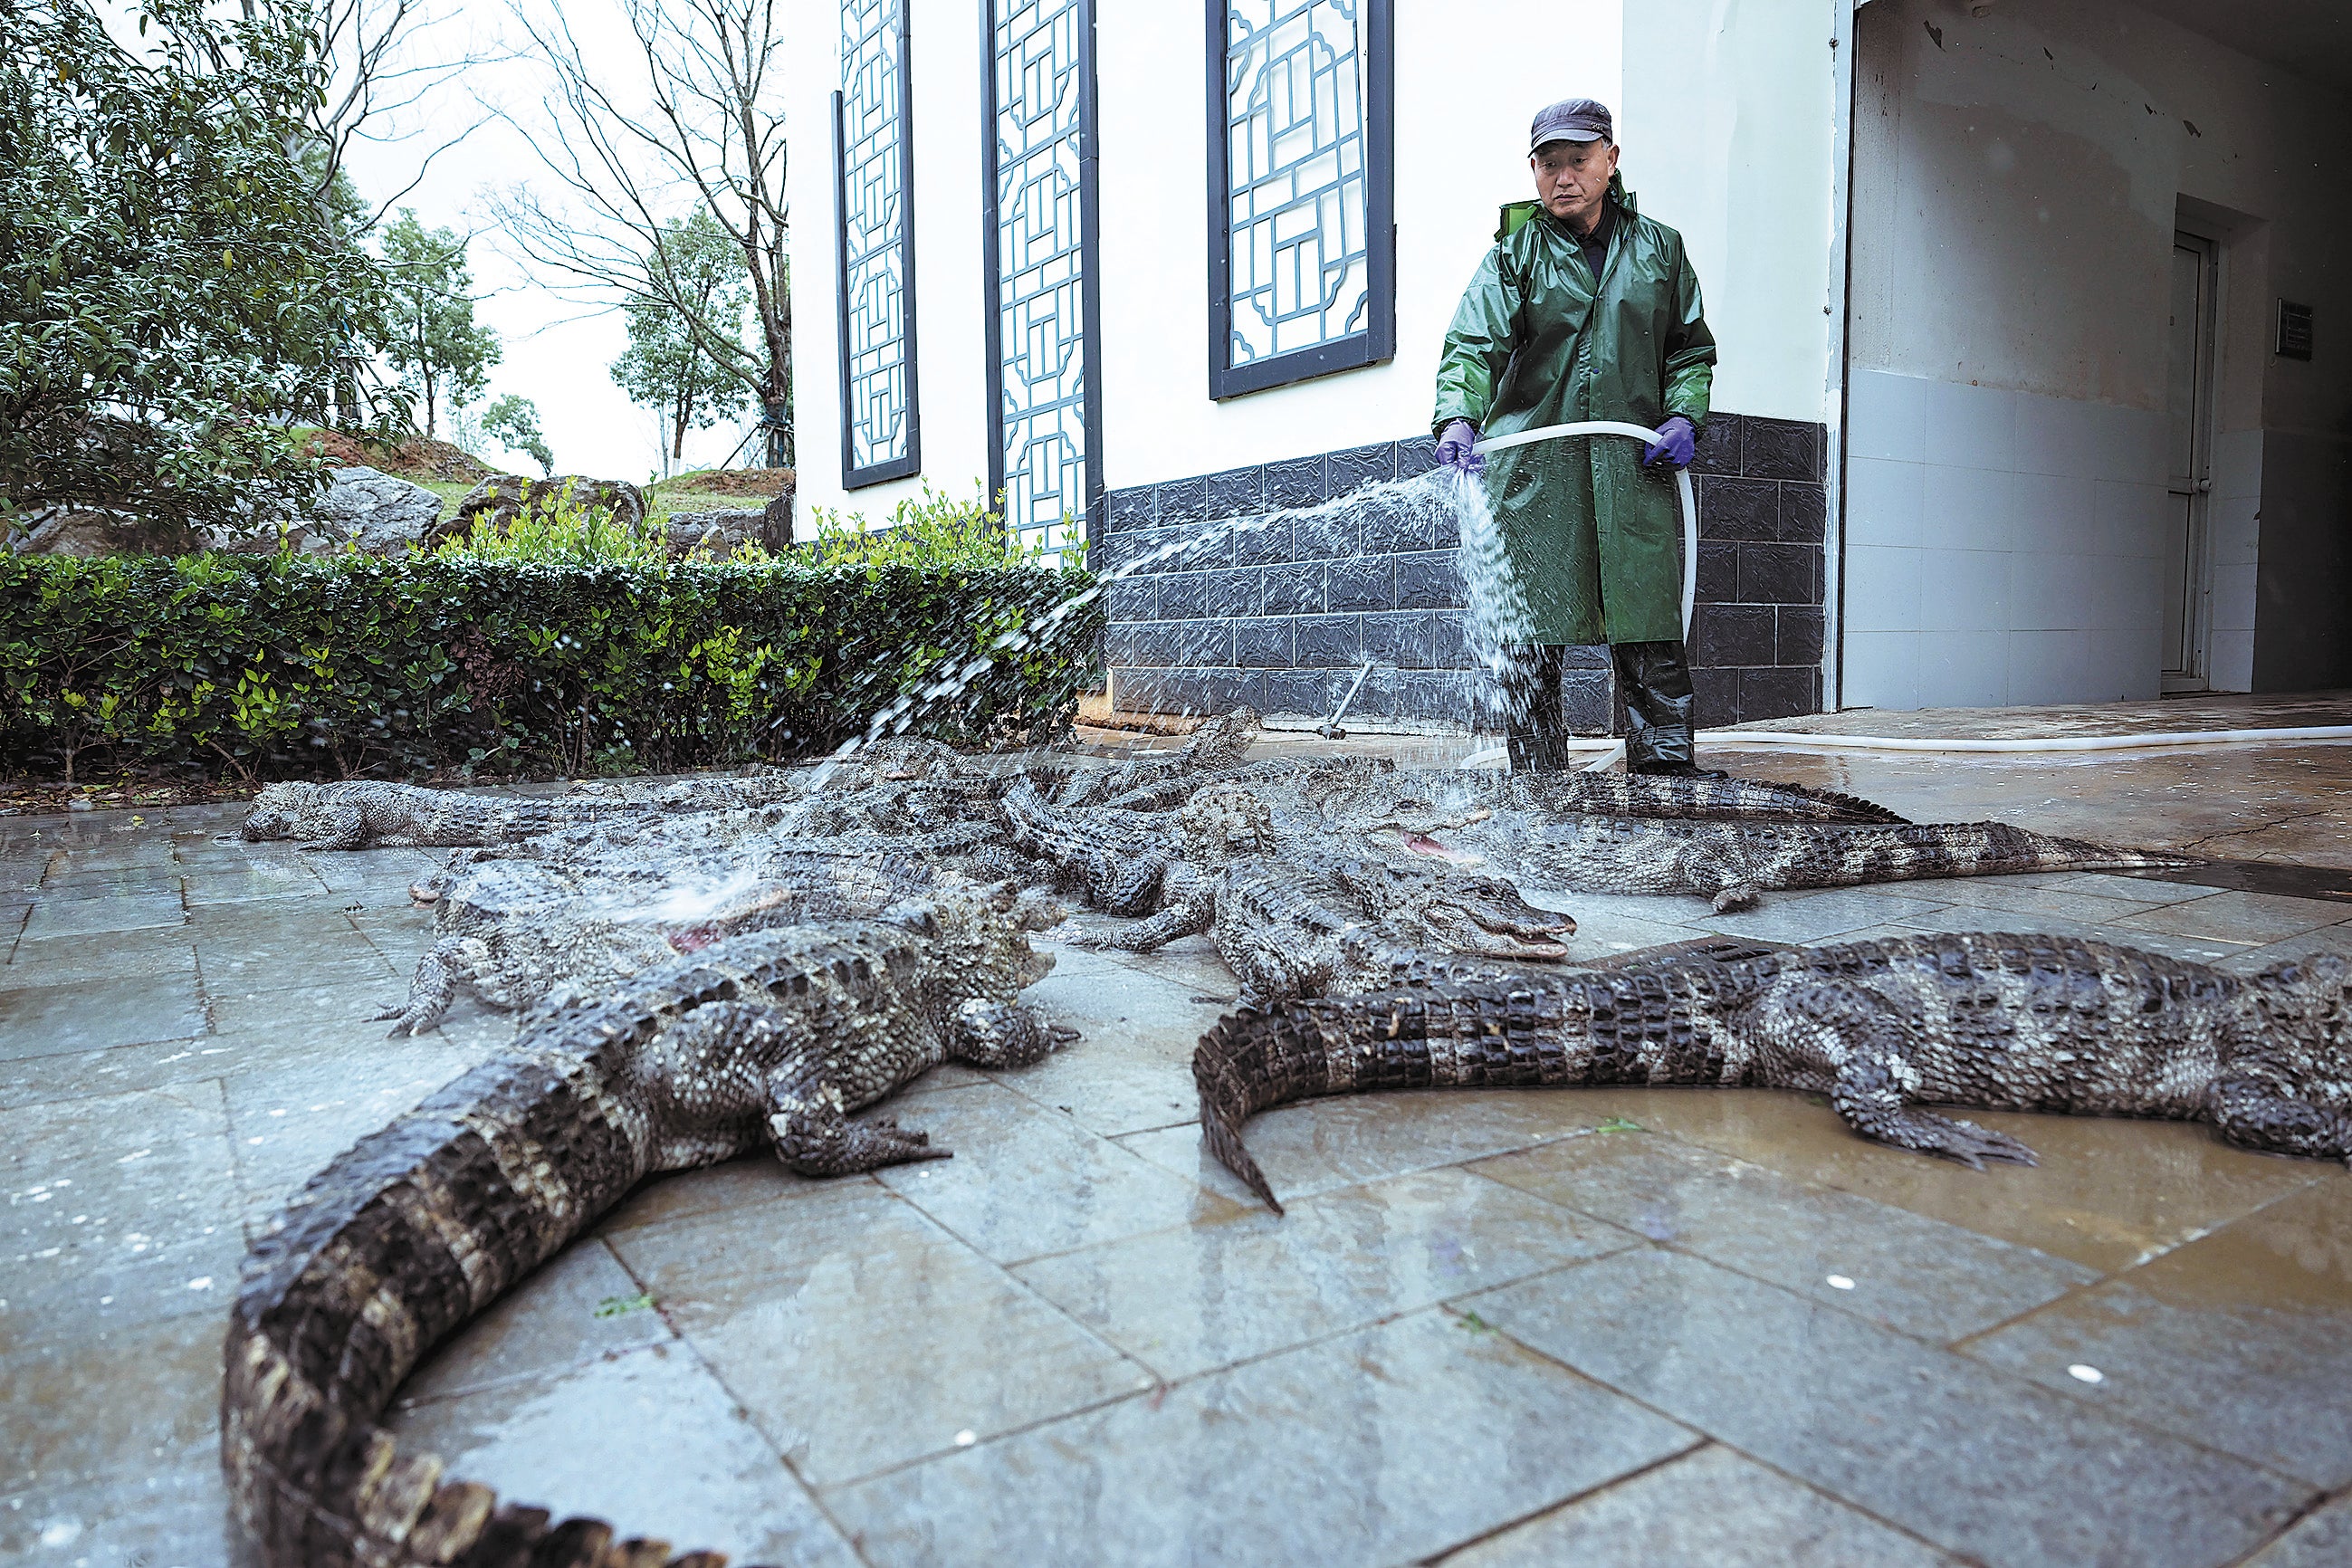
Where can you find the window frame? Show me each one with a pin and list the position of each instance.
(1376, 343)
(1088, 517)
(910, 462)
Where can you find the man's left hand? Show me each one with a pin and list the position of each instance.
(1677, 443)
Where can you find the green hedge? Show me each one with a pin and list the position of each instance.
(350, 666)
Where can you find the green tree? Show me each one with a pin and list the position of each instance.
(169, 295)
(679, 333)
(430, 335)
(513, 422)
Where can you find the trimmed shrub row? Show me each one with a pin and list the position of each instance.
(352, 666)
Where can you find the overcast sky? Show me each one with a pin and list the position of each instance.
(558, 352)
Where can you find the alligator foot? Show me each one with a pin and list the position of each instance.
(816, 1145)
(1925, 1133)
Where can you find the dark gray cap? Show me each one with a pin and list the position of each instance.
(1573, 120)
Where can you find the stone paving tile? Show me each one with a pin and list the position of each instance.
(1186, 1302)
(1961, 917)
(648, 1439)
(2242, 1339)
(1076, 1189)
(2322, 1541)
(1608, 924)
(2110, 1192)
(1817, 917)
(1978, 1462)
(859, 1336)
(51, 1020)
(583, 1306)
(2109, 885)
(282, 875)
(344, 959)
(53, 918)
(119, 1210)
(1712, 1508)
(1325, 1144)
(384, 872)
(82, 1075)
(179, 1520)
(69, 960)
(2024, 898)
(2243, 918)
(117, 1402)
(123, 882)
(359, 988)
(2334, 939)
(1919, 1275)
(1385, 1446)
(732, 1189)
(1111, 1087)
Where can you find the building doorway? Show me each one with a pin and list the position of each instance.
(2188, 466)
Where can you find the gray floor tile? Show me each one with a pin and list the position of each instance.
(2322, 1541)
(1817, 917)
(1077, 1189)
(2110, 1192)
(156, 1520)
(2335, 938)
(1975, 1461)
(126, 882)
(2242, 1339)
(1382, 1446)
(2025, 898)
(280, 875)
(1185, 1302)
(2195, 949)
(113, 1407)
(2135, 890)
(1325, 1144)
(1713, 1509)
(2249, 918)
(53, 918)
(699, 1475)
(1921, 1276)
(581, 1307)
(71, 960)
(794, 1303)
(120, 1213)
(53, 1020)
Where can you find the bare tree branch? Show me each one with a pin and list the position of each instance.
(709, 136)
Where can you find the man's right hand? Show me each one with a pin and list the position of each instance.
(1455, 448)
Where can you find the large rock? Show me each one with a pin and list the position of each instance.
(89, 530)
(719, 533)
(496, 502)
(372, 512)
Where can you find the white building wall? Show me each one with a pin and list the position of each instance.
(1726, 109)
(2019, 179)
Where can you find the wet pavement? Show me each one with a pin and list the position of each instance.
(1621, 1326)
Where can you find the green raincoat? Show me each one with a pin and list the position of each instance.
(1594, 537)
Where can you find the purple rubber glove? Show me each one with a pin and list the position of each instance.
(1676, 442)
(1453, 447)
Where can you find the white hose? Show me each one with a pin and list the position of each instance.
(1740, 739)
(1639, 433)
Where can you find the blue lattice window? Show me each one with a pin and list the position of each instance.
(1301, 279)
(874, 169)
(1039, 165)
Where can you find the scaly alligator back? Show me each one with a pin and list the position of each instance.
(767, 1038)
(1985, 1020)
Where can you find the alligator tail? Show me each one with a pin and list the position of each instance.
(388, 1251)
(1260, 1058)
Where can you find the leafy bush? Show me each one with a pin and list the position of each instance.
(557, 528)
(346, 666)
(936, 531)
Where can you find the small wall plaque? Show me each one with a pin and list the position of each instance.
(2294, 331)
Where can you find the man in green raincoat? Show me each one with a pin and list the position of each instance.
(1584, 309)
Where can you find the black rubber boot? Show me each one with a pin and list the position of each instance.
(1654, 678)
(1529, 676)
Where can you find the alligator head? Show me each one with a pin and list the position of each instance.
(1483, 916)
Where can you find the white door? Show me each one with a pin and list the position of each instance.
(2189, 400)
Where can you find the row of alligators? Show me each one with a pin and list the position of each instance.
(710, 968)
